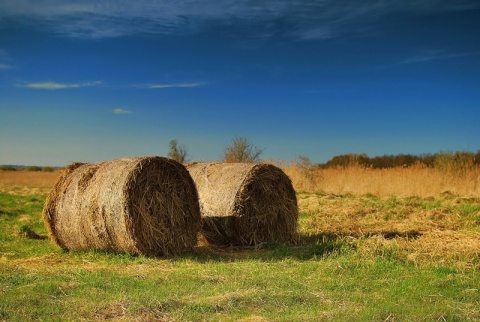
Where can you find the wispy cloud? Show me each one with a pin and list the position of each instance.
(121, 111)
(430, 55)
(56, 86)
(178, 85)
(303, 19)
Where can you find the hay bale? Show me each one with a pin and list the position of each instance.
(245, 203)
(143, 205)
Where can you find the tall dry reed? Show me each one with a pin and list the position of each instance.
(417, 180)
(27, 182)
(32, 178)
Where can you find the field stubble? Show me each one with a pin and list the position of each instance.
(414, 230)
(421, 214)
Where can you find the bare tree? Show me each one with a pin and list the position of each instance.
(308, 169)
(304, 162)
(241, 150)
(178, 152)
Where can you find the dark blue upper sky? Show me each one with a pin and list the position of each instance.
(96, 80)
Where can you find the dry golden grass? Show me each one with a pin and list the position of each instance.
(443, 231)
(401, 182)
(421, 214)
(27, 183)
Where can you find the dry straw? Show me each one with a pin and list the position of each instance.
(245, 203)
(143, 205)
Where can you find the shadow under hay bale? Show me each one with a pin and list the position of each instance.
(245, 204)
(143, 205)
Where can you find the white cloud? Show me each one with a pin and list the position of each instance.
(50, 85)
(178, 85)
(306, 20)
(120, 111)
(55, 86)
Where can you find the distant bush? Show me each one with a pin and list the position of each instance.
(451, 161)
(7, 168)
(477, 158)
(33, 168)
(348, 160)
(458, 161)
(178, 152)
(393, 161)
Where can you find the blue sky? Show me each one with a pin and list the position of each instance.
(96, 80)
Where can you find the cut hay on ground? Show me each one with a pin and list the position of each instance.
(245, 203)
(144, 205)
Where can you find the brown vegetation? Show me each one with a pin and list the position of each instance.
(417, 180)
(146, 205)
(27, 182)
(420, 231)
(443, 160)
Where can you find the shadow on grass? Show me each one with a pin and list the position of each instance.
(9, 214)
(309, 247)
(392, 234)
(29, 233)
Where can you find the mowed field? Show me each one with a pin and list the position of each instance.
(375, 245)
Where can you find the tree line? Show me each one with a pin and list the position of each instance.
(27, 168)
(443, 160)
(241, 149)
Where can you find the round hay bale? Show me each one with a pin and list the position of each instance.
(142, 205)
(245, 203)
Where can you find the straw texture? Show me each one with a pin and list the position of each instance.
(245, 203)
(143, 205)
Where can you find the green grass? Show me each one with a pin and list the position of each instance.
(22, 226)
(327, 278)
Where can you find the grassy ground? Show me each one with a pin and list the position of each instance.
(361, 258)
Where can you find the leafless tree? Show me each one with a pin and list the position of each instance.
(241, 150)
(178, 152)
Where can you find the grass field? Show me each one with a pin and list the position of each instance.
(363, 256)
